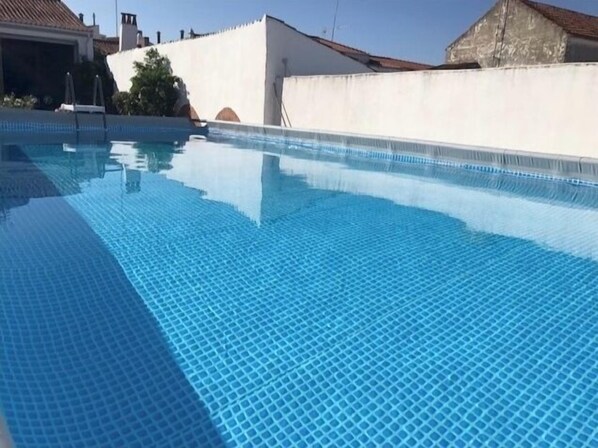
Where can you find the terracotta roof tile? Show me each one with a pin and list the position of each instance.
(43, 13)
(398, 64)
(376, 63)
(573, 22)
(107, 46)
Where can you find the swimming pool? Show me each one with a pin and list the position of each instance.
(232, 293)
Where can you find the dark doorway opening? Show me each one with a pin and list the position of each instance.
(36, 68)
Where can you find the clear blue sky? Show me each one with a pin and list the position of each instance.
(419, 30)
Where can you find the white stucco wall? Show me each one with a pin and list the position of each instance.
(303, 56)
(548, 109)
(237, 68)
(220, 70)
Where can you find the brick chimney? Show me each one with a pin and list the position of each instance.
(128, 32)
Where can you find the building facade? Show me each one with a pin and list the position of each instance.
(40, 40)
(522, 32)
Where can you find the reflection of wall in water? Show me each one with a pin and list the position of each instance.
(87, 162)
(63, 169)
(132, 180)
(284, 194)
(156, 157)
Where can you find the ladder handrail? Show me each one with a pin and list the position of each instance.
(98, 89)
(69, 90)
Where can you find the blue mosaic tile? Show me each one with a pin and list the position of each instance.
(155, 316)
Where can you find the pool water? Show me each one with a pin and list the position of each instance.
(224, 293)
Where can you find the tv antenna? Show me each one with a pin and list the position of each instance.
(116, 15)
(334, 22)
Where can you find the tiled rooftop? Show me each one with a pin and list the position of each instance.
(107, 46)
(43, 13)
(376, 63)
(573, 22)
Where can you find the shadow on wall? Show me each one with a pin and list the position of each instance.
(183, 107)
(84, 361)
(227, 114)
(187, 111)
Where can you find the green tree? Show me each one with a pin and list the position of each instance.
(154, 89)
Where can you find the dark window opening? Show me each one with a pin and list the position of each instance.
(36, 68)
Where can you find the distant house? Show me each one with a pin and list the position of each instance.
(106, 45)
(523, 32)
(376, 63)
(40, 40)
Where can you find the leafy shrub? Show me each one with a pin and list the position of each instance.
(26, 102)
(123, 103)
(154, 89)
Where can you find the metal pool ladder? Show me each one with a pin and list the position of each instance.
(70, 102)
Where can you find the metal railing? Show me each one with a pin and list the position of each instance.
(69, 91)
(70, 98)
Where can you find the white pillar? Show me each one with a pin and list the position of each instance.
(128, 32)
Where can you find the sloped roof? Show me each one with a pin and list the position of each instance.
(573, 22)
(344, 49)
(107, 46)
(43, 13)
(458, 66)
(396, 64)
(376, 63)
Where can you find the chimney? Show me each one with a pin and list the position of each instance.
(82, 18)
(182, 34)
(140, 41)
(128, 32)
(94, 19)
(159, 37)
(96, 31)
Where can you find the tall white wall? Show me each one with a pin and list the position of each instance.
(220, 70)
(303, 56)
(548, 109)
(239, 68)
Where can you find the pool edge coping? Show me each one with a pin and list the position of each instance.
(526, 163)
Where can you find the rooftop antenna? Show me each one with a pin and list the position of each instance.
(116, 15)
(334, 23)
